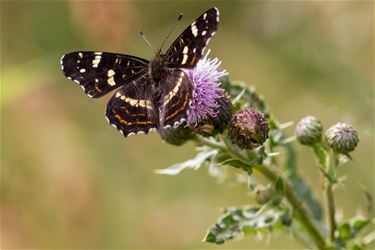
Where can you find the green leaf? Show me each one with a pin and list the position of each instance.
(244, 94)
(280, 186)
(356, 247)
(247, 221)
(303, 191)
(358, 224)
(349, 230)
(345, 232)
(233, 162)
(194, 163)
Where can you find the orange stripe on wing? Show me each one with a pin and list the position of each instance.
(121, 120)
(182, 108)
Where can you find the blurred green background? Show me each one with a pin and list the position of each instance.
(68, 180)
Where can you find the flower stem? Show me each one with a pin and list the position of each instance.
(201, 140)
(329, 198)
(302, 215)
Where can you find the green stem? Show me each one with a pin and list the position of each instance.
(330, 210)
(330, 202)
(201, 140)
(302, 215)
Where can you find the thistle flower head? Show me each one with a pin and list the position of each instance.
(176, 136)
(309, 130)
(213, 125)
(206, 90)
(342, 138)
(248, 128)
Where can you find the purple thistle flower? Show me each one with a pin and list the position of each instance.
(206, 90)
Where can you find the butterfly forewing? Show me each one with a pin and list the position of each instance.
(175, 103)
(131, 109)
(100, 72)
(188, 48)
(151, 95)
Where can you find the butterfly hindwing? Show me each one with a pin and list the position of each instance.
(131, 110)
(176, 100)
(188, 48)
(150, 95)
(100, 72)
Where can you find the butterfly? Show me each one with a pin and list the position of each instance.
(150, 95)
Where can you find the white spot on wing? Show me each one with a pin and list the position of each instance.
(80, 55)
(174, 91)
(111, 81)
(61, 62)
(208, 40)
(110, 73)
(204, 32)
(194, 30)
(217, 14)
(135, 102)
(184, 59)
(96, 61)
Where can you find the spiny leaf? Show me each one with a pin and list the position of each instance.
(194, 163)
(248, 220)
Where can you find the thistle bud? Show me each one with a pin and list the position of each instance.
(176, 136)
(213, 125)
(309, 130)
(248, 128)
(342, 138)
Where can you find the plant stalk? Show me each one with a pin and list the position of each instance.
(329, 198)
(302, 215)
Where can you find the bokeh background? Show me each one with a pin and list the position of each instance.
(68, 180)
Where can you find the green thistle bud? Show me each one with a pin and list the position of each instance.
(264, 195)
(248, 128)
(176, 136)
(309, 130)
(216, 124)
(342, 138)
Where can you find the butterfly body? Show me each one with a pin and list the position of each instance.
(157, 68)
(151, 94)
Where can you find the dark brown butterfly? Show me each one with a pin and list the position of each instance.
(151, 94)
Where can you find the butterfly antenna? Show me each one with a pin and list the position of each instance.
(146, 40)
(170, 32)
